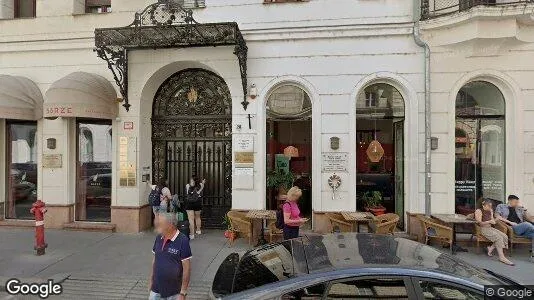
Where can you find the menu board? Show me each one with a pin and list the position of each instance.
(127, 161)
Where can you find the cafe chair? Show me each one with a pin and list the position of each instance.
(241, 224)
(512, 237)
(274, 232)
(436, 231)
(339, 224)
(384, 224)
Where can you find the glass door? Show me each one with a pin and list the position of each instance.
(93, 199)
(21, 169)
(398, 129)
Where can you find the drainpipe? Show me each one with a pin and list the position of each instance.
(428, 127)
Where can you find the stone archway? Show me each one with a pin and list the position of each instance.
(192, 135)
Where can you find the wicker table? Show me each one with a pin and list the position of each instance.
(357, 218)
(454, 220)
(262, 215)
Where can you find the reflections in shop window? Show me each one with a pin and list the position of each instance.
(22, 176)
(479, 143)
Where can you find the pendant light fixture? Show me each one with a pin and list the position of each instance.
(375, 151)
(291, 151)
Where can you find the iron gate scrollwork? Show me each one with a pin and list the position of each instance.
(166, 24)
(192, 135)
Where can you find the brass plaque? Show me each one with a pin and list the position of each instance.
(244, 157)
(127, 161)
(52, 160)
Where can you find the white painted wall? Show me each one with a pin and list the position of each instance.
(493, 49)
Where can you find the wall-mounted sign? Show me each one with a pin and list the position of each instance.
(334, 143)
(128, 125)
(51, 110)
(244, 144)
(127, 161)
(52, 160)
(335, 162)
(244, 157)
(51, 143)
(244, 171)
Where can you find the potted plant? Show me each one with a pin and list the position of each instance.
(373, 202)
(280, 181)
(230, 233)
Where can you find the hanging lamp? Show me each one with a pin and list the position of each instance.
(375, 151)
(291, 151)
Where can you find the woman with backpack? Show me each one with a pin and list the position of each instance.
(193, 204)
(292, 219)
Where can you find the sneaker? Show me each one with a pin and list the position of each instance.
(191, 236)
(198, 232)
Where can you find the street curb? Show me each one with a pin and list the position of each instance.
(58, 278)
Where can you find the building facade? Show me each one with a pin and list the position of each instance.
(101, 99)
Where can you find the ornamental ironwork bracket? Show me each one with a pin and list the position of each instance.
(166, 24)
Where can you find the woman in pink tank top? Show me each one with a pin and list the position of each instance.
(292, 219)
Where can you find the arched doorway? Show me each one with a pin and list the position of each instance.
(479, 145)
(289, 145)
(192, 135)
(380, 148)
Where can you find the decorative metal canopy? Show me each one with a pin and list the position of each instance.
(166, 24)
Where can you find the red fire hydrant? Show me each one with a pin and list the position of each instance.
(38, 210)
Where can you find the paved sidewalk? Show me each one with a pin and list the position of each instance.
(116, 266)
(103, 265)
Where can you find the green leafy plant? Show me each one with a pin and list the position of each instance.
(226, 222)
(373, 199)
(278, 179)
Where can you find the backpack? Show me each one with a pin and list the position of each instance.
(154, 198)
(192, 195)
(280, 217)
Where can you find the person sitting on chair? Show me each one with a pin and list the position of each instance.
(485, 220)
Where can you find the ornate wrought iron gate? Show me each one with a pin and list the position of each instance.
(191, 135)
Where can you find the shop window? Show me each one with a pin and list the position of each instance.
(380, 149)
(289, 147)
(93, 200)
(22, 169)
(479, 143)
(97, 6)
(25, 8)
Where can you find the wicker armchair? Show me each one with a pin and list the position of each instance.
(274, 232)
(436, 231)
(384, 224)
(512, 237)
(339, 222)
(241, 224)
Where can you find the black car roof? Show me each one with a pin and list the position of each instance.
(319, 253)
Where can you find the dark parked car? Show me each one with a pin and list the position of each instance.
(350, 266)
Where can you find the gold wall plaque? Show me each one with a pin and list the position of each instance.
(127, 161)
(52, 160)
(244, 157)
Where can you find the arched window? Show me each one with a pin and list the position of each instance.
(380, 148)
(479, 140)
(289, 147)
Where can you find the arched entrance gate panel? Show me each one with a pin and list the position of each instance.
(191, 135)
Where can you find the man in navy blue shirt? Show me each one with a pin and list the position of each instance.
(171, 265)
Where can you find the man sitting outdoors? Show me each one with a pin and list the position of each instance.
(517, 216)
